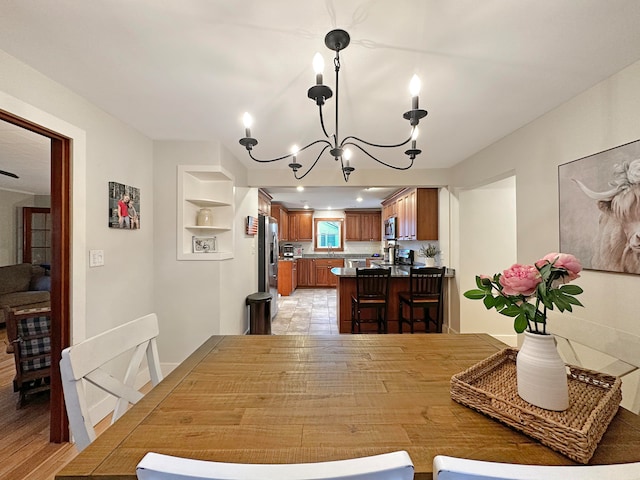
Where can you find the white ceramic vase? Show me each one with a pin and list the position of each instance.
(204, 218)
(429, 261)
(541, 373)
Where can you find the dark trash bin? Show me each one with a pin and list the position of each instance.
(259, 313)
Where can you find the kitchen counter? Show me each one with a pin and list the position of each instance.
(399, 283)
(396, 271)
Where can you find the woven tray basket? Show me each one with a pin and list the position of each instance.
(490, 387)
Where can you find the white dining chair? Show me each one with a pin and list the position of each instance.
(84, 361)
(388, 466)
(451, 468)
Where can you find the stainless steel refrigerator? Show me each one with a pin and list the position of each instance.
(268, 259)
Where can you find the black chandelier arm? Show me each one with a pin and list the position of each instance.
(324, 130)
(295, 174)
(377, 159)
(290, 155)
(345, 141)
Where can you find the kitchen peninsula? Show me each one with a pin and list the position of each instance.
(346, 286)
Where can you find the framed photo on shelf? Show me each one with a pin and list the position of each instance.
(204, 244)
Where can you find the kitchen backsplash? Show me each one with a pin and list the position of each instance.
(377, 247)
(350, 247)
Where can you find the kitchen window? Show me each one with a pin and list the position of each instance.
(329, 234)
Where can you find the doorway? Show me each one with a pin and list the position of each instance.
(60, 216)
(487, 223)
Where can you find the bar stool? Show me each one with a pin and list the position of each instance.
(372, 292)
(426, 292)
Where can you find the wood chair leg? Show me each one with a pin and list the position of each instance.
(353, 318)
(411, 309)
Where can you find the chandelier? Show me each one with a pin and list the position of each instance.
(337, 40)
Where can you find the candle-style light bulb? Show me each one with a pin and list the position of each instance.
(347, 156)
(414, 137)
(248, 121)
(294, 151)
(414, 88)
(318, 67)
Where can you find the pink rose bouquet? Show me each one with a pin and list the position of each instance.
(544, 283)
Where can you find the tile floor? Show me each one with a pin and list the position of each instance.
(309, 311)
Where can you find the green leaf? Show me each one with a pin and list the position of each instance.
(529, 310)
(560, 300)
(500, 302)
(474, 294)
(511, 311)
(520, 323)
(489, 302)
(574, 301)
(571, 289)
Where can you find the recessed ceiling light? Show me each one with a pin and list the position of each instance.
(359, 199)
(300, 188)
(306, 206)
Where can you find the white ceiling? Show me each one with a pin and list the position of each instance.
(27, 155)
(188, 69)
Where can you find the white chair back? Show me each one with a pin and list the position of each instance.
(388, 466)
(450, 468)
(84, 361)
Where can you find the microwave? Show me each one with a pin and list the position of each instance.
(390, 228)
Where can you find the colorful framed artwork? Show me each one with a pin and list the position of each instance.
(124, 206)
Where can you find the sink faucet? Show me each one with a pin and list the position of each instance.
(330, 251)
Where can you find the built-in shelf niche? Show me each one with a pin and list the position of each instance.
(202, 186)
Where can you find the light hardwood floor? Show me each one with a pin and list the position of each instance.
(25, 451)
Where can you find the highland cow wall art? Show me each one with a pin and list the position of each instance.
(600, 209)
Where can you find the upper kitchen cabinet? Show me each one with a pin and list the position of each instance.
(282, 217)
(363, 225)
(416, 211)
(205, 213)
(264, 203)
(300, 226)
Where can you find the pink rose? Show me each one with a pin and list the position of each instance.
(563, 260)
(520, 280)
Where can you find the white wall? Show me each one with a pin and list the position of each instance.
(103, 149)
(196, 299)
(601, 118)
(487, 223)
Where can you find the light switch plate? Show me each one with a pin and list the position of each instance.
(96, 258)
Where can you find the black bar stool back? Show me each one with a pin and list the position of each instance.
(372, 292)
(426, 292)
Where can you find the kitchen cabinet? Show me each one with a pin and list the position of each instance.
(417, 213)
(287, 277)
(264, 203)
(365, 225)
(306, 272)
(282, 217)
(389, 209)
(300, 226)
(323, 266)
(316, 272)
(204, 186)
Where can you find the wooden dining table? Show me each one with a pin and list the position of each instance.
(290, 399)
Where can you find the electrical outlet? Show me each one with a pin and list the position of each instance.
(96, 258)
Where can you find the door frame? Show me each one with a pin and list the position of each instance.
(60, 265)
